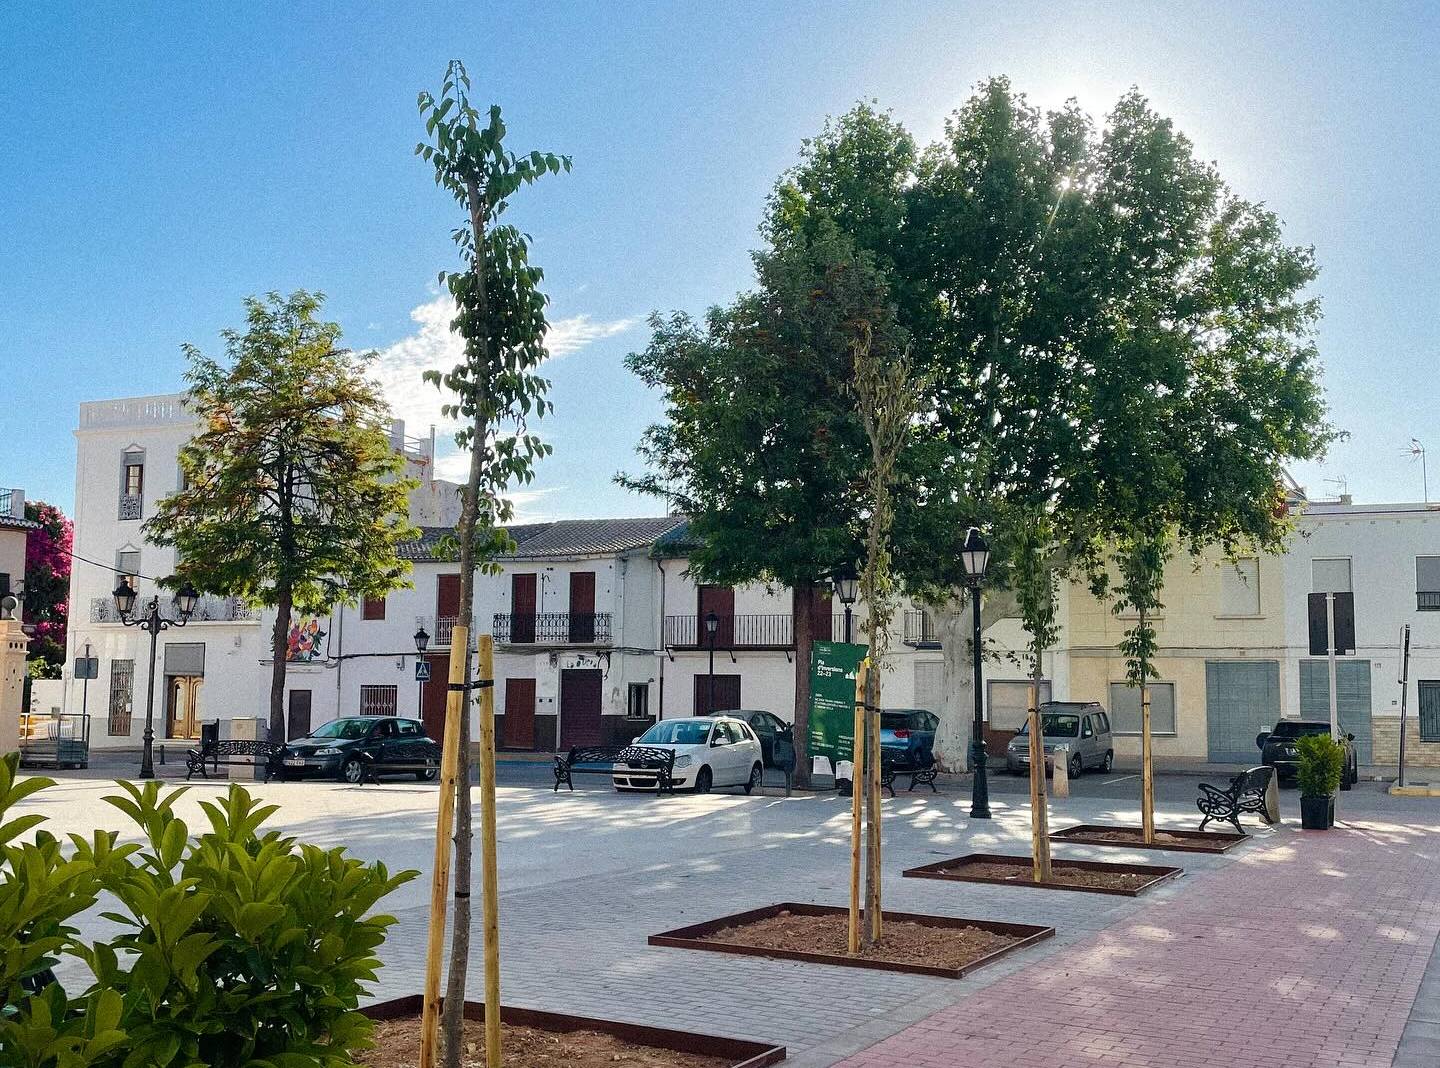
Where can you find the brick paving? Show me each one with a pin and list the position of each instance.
(1308, 950)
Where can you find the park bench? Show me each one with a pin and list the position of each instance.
(892, 765)
(601, 760)
(232, 752)
(417, 756)
(1246, 793)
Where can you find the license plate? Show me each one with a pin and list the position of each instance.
(295, 762)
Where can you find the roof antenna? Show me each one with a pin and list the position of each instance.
(1342, 488)
(1417, 449)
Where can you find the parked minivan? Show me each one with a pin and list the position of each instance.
(1083, 726)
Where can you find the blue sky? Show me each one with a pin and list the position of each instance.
(159, 164)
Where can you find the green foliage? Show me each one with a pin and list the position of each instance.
(239, 947)
(1140, 560)
(1319, 766)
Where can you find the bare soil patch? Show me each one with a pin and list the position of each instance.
(1134, 838)
(1060, 872)
(398, 1046)
(901, 942)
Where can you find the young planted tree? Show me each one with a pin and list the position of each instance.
(500, 315)
(292, 496)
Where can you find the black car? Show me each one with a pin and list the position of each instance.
(342, 748)
(1278, 749)
(767, 727)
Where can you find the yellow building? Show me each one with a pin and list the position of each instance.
(1218, 674)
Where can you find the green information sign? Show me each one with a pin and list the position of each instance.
(833, 666)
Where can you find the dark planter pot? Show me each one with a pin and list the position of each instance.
(1317, 813)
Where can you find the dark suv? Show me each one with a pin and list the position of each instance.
(1278, 749)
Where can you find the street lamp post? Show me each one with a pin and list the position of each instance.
(847, 588)
(974, 557)
(422, 642)
(152, 623)
(712, 624)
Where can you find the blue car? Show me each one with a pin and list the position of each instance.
(909, 733)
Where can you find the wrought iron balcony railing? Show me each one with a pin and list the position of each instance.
(920, 630)
(130, 506)
(1427, 600)
(552, 628)
(207, 610)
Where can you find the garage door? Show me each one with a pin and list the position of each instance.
(1241, 700)
(1352, 697)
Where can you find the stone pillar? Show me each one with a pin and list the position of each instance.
(13, 644)
(250, 729)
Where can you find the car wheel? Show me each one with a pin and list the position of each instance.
(431, 772)
(351, 771)
(757, 776)
(1109, 761)
(703, 779)
(1077, 766)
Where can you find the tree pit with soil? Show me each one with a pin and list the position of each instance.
(1134, 838)
(1087, 876)
(819, 934)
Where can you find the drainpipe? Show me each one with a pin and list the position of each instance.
(660, 635)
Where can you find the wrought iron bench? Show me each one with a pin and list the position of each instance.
(892, 765)
(1246, 793)
(601, 760)
(233, 752)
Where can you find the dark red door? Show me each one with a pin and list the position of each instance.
(433, 696)
(447, 608)
(580, 691)
(519, 713)
(721, 601)
(298, 721)
(522, 608)
(582, 607)
(822, 619)
(727, 693)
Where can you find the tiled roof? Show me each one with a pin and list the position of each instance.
(565, 537)
(10, 522)
(677, 542)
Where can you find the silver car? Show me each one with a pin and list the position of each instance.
(1083, 727)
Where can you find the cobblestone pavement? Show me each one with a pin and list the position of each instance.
(1308, 949)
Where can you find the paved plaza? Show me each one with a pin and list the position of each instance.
(1298, 949)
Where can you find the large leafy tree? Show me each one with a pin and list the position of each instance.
(761, 444)
(500, 315)
(292, 498)
(47, 586)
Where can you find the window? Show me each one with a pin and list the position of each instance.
(134, 479)
(1330, 576)
(132, 483)
(1427, 583)
(638, 705)
(1429, 711)
(1125, 706)
(4, 584)
(127, 562)
(122, 675)
(378, 700)
(372, 608)
(1009, 701)
(1240, 587)
(408, 728)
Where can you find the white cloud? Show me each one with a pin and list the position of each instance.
(568, 336)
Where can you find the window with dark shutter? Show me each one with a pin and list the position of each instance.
(372, 608)
(1427, 583)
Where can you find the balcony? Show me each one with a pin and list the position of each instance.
(920, 631)
(207, 610)
(1427, 600)
(552, 628)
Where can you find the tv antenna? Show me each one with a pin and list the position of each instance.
(1417, 449)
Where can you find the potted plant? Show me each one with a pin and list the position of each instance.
(1318, 771)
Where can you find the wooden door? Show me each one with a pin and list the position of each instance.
(298, 721)
(727, 693)
(721, 601)
(522, 608)
(433, 696)
(519, 713)
(447, 608)
(822, 618)
(582, 607)
(580, 699)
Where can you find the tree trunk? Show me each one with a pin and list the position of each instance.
(1039, 803)
(279, 646)
(802, 616)
(957, 672)
(871, 780)
(1147, 764)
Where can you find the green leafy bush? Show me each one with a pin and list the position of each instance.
(240, 949)
(1319, 766)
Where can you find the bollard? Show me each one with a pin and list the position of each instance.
(1060, 780)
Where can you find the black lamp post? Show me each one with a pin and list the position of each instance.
(422, 642)
(847, 588)
(974, 557)
(152, 623)
(712, 624)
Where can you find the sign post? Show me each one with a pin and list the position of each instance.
(834, 668)
(1404, 692)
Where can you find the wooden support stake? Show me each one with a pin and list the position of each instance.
(1039, 813)
(1147, 767)
(856, 800)
(489, 864)
(455, 707)
(872, 793)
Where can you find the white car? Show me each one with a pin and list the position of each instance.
(710, 751)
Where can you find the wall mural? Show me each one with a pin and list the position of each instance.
(305, 641)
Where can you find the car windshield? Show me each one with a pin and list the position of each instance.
(1055, 725)
(1293, 729)
(344, 728)
(676, 732)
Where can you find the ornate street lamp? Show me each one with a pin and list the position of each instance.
(152, 623)
(974, 558)
(712, 624)
(422, 642)
(847, 588)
